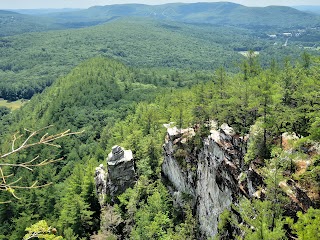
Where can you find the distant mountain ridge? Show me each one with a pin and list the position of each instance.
(2, 12)
(219, 13)
(43, 10)
(13, 23)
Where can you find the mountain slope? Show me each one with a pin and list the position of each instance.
(93, 85)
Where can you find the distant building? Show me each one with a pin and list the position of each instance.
(287, 34)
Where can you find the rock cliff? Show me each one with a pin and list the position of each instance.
(210, 175)
(207, 170)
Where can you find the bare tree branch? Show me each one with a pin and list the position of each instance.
(45, 139)
(8, 185)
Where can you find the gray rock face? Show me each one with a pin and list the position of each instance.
(121, 172)
(120, 175)
(211, 177)
(182, 180)
(100, 177)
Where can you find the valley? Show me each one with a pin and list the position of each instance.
(12, 105)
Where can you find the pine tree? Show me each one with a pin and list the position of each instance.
(75, 212)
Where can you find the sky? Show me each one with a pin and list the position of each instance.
(34, 4)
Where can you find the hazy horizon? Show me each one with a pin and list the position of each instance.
(59, 4)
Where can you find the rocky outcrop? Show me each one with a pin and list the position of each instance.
(210, 175)
(120, 174)
(111, 182)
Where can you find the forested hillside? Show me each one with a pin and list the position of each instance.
(94, 95)
(110, 103)
(46, 56)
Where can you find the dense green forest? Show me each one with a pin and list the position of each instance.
(113, 106)
(118, 83)
(31, 62)
(49, 55)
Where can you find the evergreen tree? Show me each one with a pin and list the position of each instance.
(307, 226)
(259, 222)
